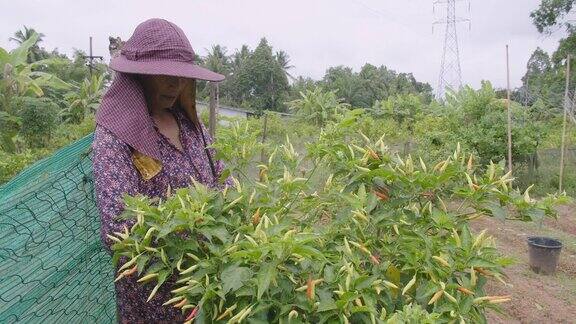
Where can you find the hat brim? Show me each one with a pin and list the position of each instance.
(174, 68)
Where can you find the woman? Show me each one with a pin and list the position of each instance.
(149, 140)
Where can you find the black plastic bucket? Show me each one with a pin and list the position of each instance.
(544, 253)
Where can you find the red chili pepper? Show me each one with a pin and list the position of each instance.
(192, 315)
(382, 195)
(310, 288)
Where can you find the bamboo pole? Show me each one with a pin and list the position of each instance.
(213, 108)
(509, 111)
(563, 143)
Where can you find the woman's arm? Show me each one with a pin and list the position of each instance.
(114, 176)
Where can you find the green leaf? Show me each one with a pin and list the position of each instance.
(482, 263)
(266, 274)
(233, 277)
(536, 214)
(225, 174)
(364, 282)
(345, 299)
(326, 305)
(496, 210)
(219, 232)
(4, 57)
(162, 275)
(141, 263)
(20, 54)
(329, 276)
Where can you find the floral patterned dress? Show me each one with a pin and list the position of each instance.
(115, 174)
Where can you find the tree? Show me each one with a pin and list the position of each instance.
(284, 62)
(342, 79)
(566, 46)
(478, 119)
(539, 63)
(537, 69)
(301, 84)
(545, 75)
(262, 80)
(217, 60)
(35, 53)
(550, 14)
(240, 57)
(372, 84)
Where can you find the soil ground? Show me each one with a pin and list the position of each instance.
(536, 298)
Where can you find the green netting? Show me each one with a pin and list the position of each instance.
(53, 267)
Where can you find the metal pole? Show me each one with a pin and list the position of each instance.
(509, 112)
(566, 103)
(90, 58)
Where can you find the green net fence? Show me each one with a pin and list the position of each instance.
(53, 267)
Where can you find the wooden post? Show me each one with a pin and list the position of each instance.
(509, 111)
(213, 108)
(566, 103)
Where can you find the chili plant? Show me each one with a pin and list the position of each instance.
(376, 238)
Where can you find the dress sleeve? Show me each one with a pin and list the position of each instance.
(219, 165)
(114, 176)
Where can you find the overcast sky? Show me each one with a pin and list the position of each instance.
(316, 34)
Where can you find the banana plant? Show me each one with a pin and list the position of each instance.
(84, 99)
(20, 78)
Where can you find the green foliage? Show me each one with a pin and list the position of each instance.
(262, 80)
(413, 314)
(403, 109)
(39, 121)
(370, 241)
(255, 79)
(258, 79)
(12, 163)
(84, 100)
(545, 77)
(301, 84)
(20, 79)
(550, 14)
(35, 53)
(372, 84)
(478, 120)
(318, 106)
(74, 70)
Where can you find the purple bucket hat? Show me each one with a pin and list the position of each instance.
(160, 47)
(157, 47)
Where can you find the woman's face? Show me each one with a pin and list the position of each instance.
(162, 90)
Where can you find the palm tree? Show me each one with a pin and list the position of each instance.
(240, 57)
(217, 60)
(35, 53)
(284, 61)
